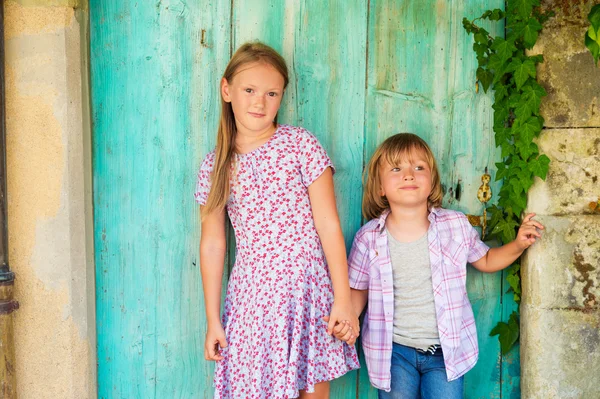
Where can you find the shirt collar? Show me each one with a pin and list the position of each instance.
(433, 212)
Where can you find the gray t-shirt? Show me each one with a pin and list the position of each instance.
(415, 322)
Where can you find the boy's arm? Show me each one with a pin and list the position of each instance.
(359, 299)
(500, 258)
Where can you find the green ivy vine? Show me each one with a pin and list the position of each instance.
(505, 67)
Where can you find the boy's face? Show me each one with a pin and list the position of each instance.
(255, 93)
(407, 184)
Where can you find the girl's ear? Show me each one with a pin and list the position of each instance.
(225, 90)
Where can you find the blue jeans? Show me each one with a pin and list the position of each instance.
(417, 375)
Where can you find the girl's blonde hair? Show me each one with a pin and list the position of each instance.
(248, 53)
(393, 150)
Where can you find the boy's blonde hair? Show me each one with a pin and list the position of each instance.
(248, 53)
(393, 150)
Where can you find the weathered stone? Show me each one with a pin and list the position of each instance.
(568, 72)
(562, 270)
(560, 353)
(573, 179)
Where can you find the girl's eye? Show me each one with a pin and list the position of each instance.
(395, 169)
(419, 167)
(272, 94)
(248, 90)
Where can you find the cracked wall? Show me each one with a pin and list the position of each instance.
(560, 310)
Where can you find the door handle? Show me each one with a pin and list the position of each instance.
(484, 194)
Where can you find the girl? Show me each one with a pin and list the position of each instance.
(409, 262)
(290, 274)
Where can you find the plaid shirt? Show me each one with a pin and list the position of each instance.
(452, 243)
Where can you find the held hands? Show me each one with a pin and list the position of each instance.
(528, 232)
(215, 339)
(342, 323)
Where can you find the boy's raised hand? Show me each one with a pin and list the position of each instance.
(528, 232)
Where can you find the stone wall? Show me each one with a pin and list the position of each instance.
(49, 198)
(560, 312)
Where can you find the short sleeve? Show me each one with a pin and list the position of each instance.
(477, 248)
(203, 181)
(358, 264)
(313, 158)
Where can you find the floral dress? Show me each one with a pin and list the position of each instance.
(280, 287)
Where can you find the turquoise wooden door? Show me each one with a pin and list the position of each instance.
(361, 70)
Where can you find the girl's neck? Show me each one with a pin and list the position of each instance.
(407, 224)
(246, 142)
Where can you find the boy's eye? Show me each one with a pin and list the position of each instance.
(272, 94)
(249, 90)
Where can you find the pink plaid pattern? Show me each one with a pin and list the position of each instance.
(452, 243)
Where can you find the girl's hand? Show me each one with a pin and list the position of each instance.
(339, 315)
(343, 332)
(528, 232)
(215, 339)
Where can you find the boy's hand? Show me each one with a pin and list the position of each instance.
(343, 331)
(528, 232)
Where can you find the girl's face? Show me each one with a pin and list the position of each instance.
(408, 183)
(255, 93)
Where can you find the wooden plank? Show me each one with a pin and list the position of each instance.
(155, 102)
(325, 49)
(511, 362)
(421, 79)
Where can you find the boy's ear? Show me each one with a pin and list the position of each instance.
(225, 90)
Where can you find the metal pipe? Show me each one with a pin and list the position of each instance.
(7, 278)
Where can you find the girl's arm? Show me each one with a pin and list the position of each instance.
(502, 257)
(212, 256)
(327, 223)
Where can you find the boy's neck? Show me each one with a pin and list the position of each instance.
(407, 224)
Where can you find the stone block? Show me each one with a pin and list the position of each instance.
(560, 353)
(573, 179)
(562, 270)
(568, 72)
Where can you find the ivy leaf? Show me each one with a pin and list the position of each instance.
(527, 149)
(496, 63)
(502, 135)
(523, 7)
(503, 48)
(508, 333)
(539, 166)
(505, 229)
(526, 179)
(593, 46)
(480, 49)
(518, 203)
(530, 32)
(497, 15)
(502, 171)
(480, 38)
(594, 17)
(500, 91)
(485, 78)
(532, 98)
(539, 58)
(517, 186)
(523, 70)
(528, 129)
(514, 280)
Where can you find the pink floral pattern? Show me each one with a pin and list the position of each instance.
(280, 287)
